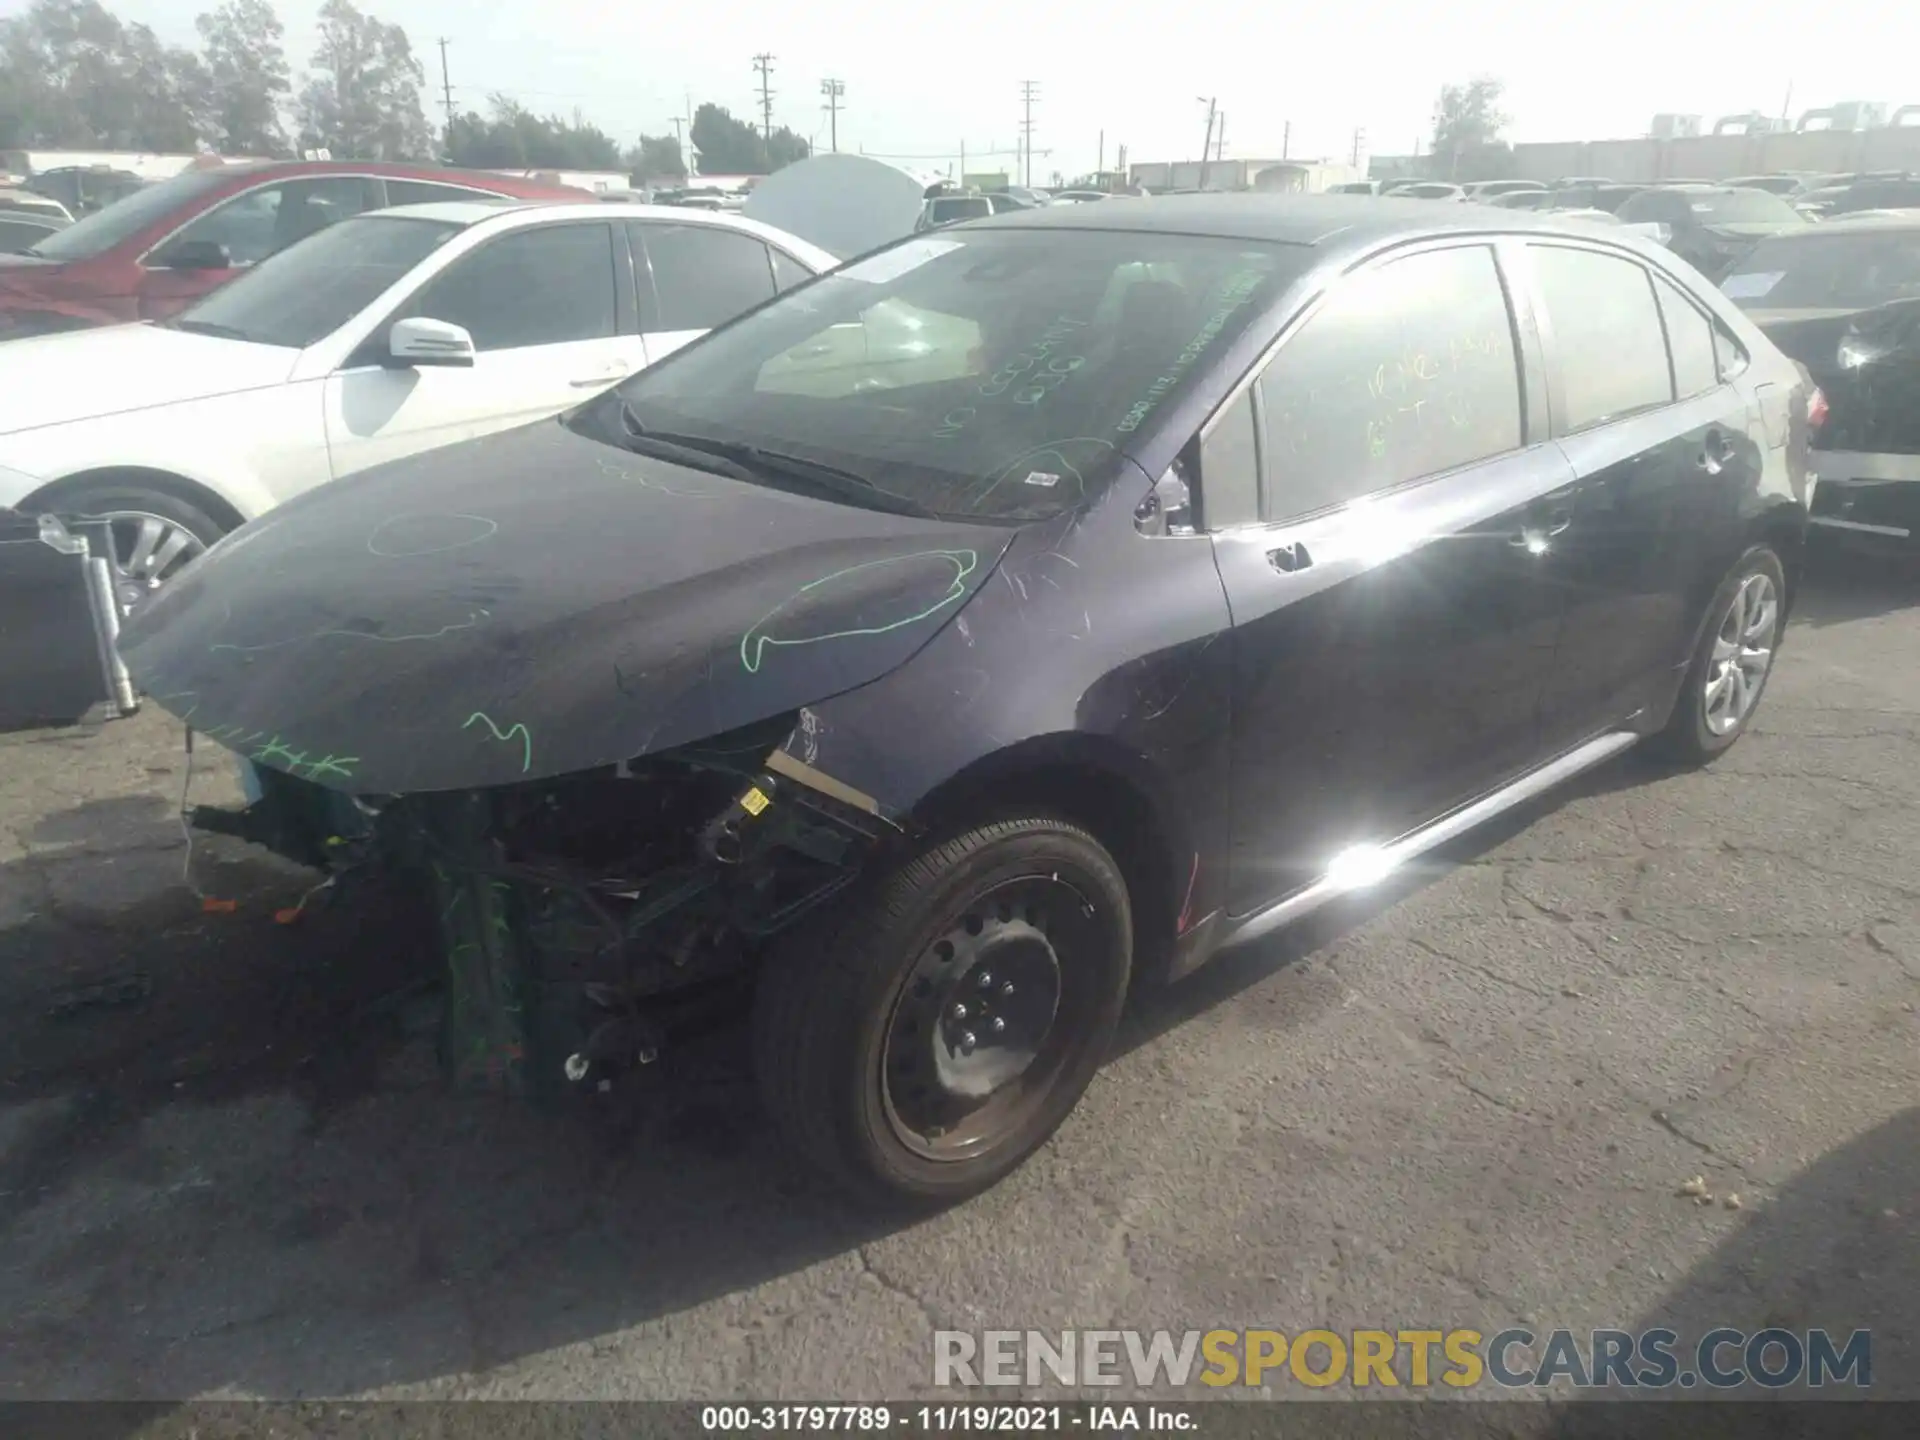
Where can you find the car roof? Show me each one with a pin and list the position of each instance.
(1308, 220)
(1861, 220)
(508, 213)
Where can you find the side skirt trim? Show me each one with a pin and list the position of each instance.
(1448, 827)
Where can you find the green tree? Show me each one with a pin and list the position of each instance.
(247, 77)
(362, 100)
(1467, 119)
(656, 157)
(514, 138)
(72, 74)
(728, 145)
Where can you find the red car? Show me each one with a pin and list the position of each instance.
(159, 249)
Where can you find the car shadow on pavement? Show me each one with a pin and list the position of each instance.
(1850, 582)
(1837, 1247)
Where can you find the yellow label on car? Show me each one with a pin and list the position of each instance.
(754, 801)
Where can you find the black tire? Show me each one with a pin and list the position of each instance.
(1689, 739)
(109, 496)
(836, 999)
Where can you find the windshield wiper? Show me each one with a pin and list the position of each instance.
(204, 327)
(755, 463)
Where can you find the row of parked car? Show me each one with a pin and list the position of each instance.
(922, 653)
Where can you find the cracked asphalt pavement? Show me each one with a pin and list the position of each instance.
(227, 1167)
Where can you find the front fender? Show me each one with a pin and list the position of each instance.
(1092, 647)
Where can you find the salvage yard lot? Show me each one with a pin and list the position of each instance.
(226, 1164)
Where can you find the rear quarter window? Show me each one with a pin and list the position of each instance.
(1607, 335)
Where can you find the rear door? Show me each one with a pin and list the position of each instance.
(1660, 448)
(694, 277)
(551, 320)
(1395, 602)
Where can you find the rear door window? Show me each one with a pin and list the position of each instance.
(1689, 341)
(703, 275)
(1408, 370)
(1607, 335)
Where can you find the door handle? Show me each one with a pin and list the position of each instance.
(1535, 537)
(592, 380)
(1289, 558)
(1715, 454)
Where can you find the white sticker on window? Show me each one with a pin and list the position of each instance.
(1752, 285)
(1046, 479)
(892, 264)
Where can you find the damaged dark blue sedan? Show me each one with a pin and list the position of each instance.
(1016, 615)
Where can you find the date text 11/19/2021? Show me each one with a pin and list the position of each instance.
(945, 1419)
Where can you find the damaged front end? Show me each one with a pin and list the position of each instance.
(587, 919)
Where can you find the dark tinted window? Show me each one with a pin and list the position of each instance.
(127, 217)
(704, 275)
(1879, 195)
(1407, 370)
(1646, 207)
(1689, 341)
(1606, 335)
(532, 287)
(308, 292)
(787, 271)
(17, 234)
(426, 192)
(996, 374)
(265, 221)
(1838, 268)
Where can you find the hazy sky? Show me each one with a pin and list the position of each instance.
(921, 80)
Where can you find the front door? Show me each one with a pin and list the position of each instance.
(542, 307)
(1658, 481)
(701, 276)
(1395, 609)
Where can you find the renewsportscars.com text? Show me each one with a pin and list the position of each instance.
(1413, 1359)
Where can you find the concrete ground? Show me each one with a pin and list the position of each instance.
(226, 1166)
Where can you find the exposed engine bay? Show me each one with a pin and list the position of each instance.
(581, 916)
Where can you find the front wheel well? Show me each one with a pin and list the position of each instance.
(1096, 795)
(208, 502)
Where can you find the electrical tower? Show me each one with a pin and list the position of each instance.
(1206, 146)
(446, 90)
(764, 64)
(1359, 139)
(835, 91)
(1029, 92)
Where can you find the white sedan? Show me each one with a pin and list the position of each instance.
(381, 336)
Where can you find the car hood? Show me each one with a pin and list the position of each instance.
(534, 604)
(84, 374)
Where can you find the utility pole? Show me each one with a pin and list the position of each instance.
(1101, 168)
(833, 90)
(1359, 138)
(1220, 138)
(1286, 140)
(446, 90)
(764, 64)
(1029, 92)
(1206, 146)
(679, 123)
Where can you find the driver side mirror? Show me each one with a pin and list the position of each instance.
(193, 255)
(428, 342)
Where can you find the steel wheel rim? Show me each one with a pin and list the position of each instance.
(1742, 655)
(151, 549)
(1030, 929)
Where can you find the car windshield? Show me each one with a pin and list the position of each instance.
(1830, 270)
(1741, 207)
(1880, 195)
(991, 375)
(312, 288)
(129, 215)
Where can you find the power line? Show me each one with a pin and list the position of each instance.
(834, 90)
(1029, 92)
(764, 64)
